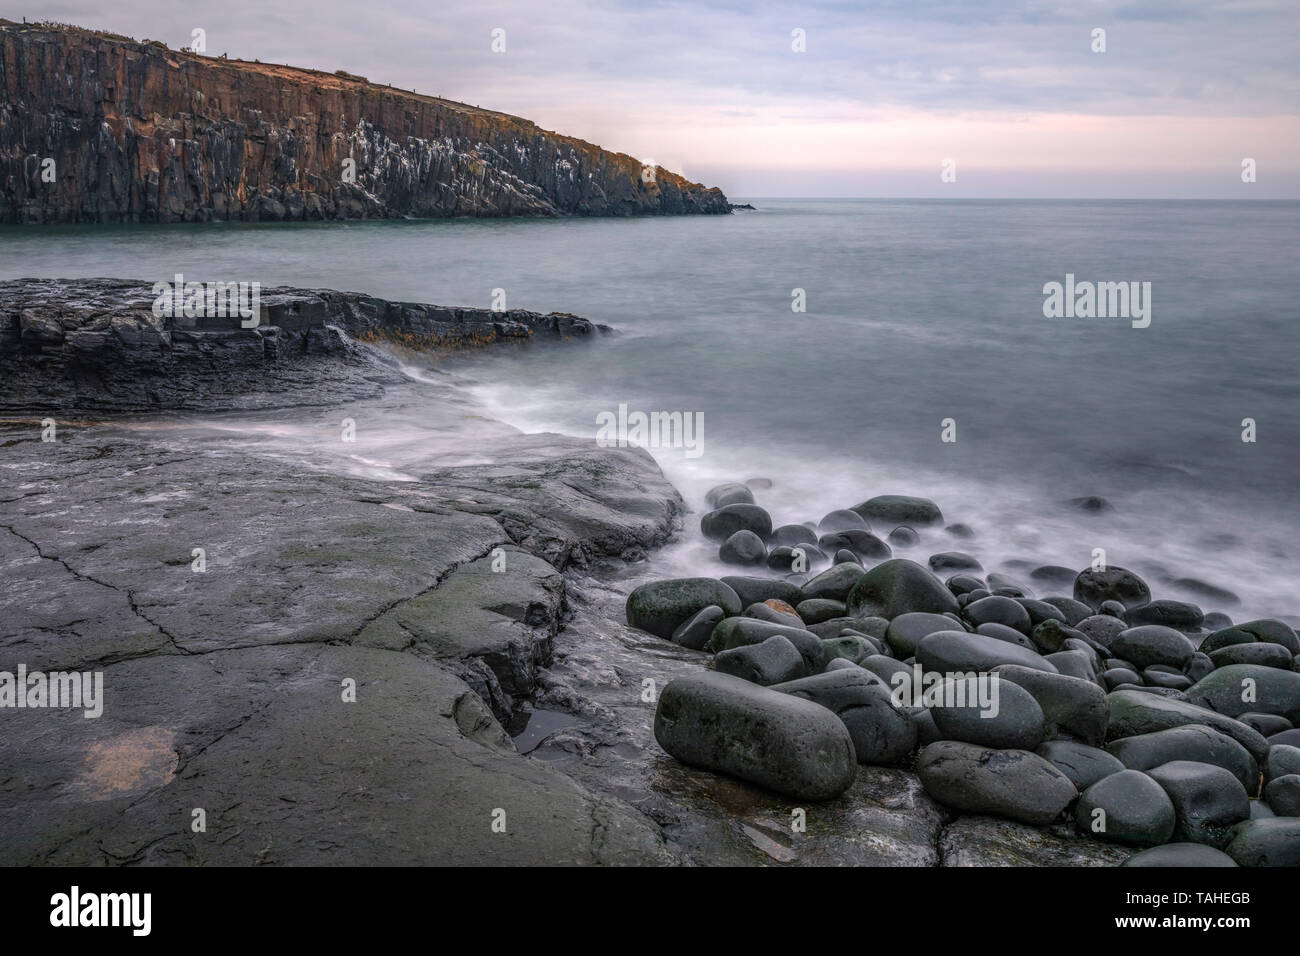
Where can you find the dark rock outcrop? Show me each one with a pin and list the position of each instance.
(141, 133)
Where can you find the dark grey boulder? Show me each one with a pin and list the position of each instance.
(835, 582)
(845, 556)
(773, 661)
(1101, 628)
(1273, 631)
(882, 733)
(1278, 691)
(904, 537)
(1133, 713)
(1048, 637)
(1094, 588)
(1041, 611)
(926, 731)
(1290, 737)
(843, 519)
(897, 587)
(900, 509)
(960, 584)
(1269, 842)
(732, 493)
(1199, 666)
(1084, 765)
(1180, 854)
(754, 590)
(1208, 800)
(778, 612)
(1259, 652)
(989, 711)
(1154, 677)
(947, 562)
(832, 627)
(1014, 784)
(819, 609)
(1282, 759)
(1153, 644)
(779, 741)
(722, 523)
(1266, 724)
(851, 647)
(1008, 587)
(1113, 609)
(661, 606)
(1008, 634)
(1075, 663)
(743, 547)
(1175, 614)
(1117, 677)
(908, 630)
(696, 630)
(957, 651)
(1216, 621)
(887, 669)
(790, 535)
(742, 631)
(1126, 807)
(998, 610)
(858, 540)
(1225, 637)
(799, 558)
(960, 530)
(1192, 742)
(1073, 611)
(1070, 705)
(1282, 794)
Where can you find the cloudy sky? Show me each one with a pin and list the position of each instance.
(883, 93)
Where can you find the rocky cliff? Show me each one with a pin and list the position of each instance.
(137, 132)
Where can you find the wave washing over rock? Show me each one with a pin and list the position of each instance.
(139, 132)
(1097, 711)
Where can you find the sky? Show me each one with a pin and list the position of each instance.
(1010, 98)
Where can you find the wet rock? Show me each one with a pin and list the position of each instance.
(987, 841)
(1094, 588)
(906, 631)
(1199, 666)
(1014, 784)
(887, 669)
(1273, 631)
(1266, 724)
(660, 607)
(1040, 611)
(1070, 705)
(860, 541)
(1208, 800)
(897, 587)
(904, 537)
(1180, 854)
(729, 494)
(1289, 737)
(845, 556)
(1133, 713)
(743, 547)
(1126, 807)
(1101, 628)
(1071, 610)
(754, 590)
(1153, 644)
(953, 651)
(1074, 663)
(843, 520)
(834, 583)
(960, 530)
(1260, 653)
(1009, 634)
(1270, 842)
(1193, 742)
(1153, 677)
(742, 631)
(1283, 795)
(850, 647)
(969, 711)
(1281, 760)
(900, 509)
(1112, 609)
(946, 562)
(779, 741)
(1084, 765)
(778, 612)
(881, 732)
(817, 610)
(1116, 677)
(772, 661)
(1175, 614)
(792, 535)
(960, 584)
(798, 559)
(696, 630)
(722, 523)
(1278, 691)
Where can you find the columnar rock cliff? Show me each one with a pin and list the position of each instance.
(138, 132)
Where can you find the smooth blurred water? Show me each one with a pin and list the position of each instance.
(917, 311)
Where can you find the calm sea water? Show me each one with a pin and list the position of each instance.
(917, 311)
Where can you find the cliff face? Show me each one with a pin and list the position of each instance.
(142, 133)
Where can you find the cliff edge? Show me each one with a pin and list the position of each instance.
(96, 127)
